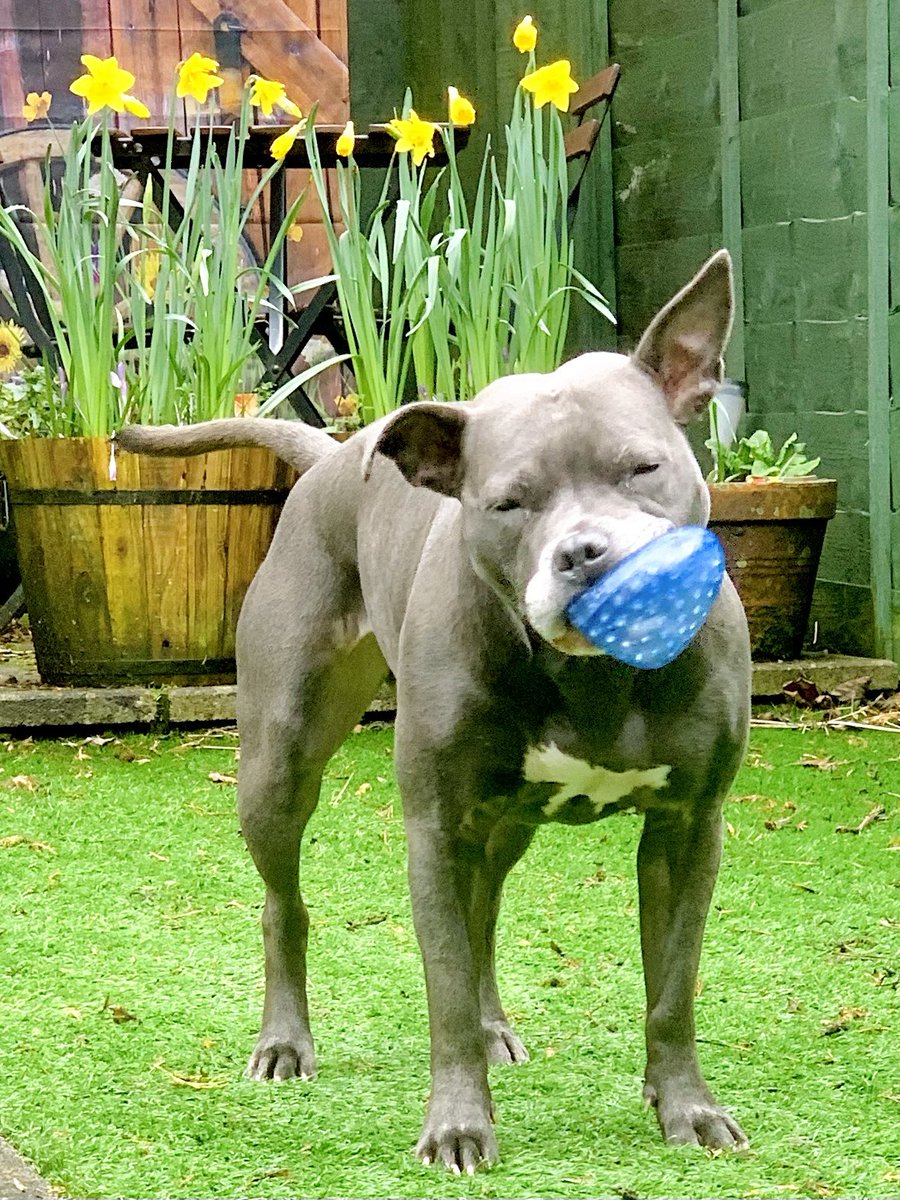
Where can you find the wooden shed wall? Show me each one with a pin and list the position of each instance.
(746, 124)
(304, 43)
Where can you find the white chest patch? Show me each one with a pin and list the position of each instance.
(548, 764)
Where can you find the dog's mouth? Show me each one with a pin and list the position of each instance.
(573, 642)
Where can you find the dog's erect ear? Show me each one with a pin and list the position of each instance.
(683, 346)
(425, 441)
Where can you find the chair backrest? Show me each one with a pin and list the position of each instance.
(580, 141)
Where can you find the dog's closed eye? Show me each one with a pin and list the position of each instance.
(507, 504)
(645, 468)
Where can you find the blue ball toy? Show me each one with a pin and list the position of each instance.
(648, 607)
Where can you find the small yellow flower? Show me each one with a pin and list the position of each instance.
(346, 142)
(462, 111)
(269, 94)
(552, 84)
(197, 77)
(105, 85)
(295, 232)
(36, 106)
(147, 271)
(285, 141)
(246, 404)
(11, 337)
(414, 136)
(525, 36)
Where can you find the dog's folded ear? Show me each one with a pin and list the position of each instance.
(425, 441)
(683, 346)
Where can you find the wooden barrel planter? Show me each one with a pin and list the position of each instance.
(772, 532)
(140, 578)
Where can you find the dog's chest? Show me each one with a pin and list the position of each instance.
(563, 787)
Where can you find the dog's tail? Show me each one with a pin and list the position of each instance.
(294, 442)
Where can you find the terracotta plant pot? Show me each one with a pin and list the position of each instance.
(772, 532)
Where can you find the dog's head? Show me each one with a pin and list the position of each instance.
(561, 476)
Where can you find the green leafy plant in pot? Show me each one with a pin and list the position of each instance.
(770, 512)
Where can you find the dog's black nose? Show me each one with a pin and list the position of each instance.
(580, 556)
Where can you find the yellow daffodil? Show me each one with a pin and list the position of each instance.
(525, 36)
(462, 111)
(246, 404)
(147, 271)
(285, 141)
(346, 142)
(197, 77)
(36, 106)
(105, 85)
(11, 337)
(295, 232)
(269, 94)
(552, 84)
(414, 136)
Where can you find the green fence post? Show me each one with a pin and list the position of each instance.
(730, 168)
(877, 86)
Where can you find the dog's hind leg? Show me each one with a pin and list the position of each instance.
(300, 694)
(505, 846)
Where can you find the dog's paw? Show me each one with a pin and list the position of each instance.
(280, 1057)
(502, 1044)
(692, 1118)
(460, 1137)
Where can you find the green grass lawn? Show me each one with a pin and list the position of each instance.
(132, 983)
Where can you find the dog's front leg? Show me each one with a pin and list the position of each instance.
(457, 1130)
(678, 860)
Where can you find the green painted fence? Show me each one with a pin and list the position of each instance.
(764, 125)
(768, 126)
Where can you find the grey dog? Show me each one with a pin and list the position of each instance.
(444, 543)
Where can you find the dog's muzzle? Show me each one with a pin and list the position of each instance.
(573, 562)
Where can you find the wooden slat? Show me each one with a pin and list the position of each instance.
(67, 29)
(332, 25)
(579, 142)
(279, 45)
(164, 534)
(123, 548)
(12, 89)
(600, 87)
(147, 42)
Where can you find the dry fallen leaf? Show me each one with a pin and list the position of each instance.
(27, 783)
(17, 839)
(372, 919)
(120, 1014)
(828, 763)
(218, 777)
(874, 814)
(363, 788)
(199, 1082)
(847, 1015)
